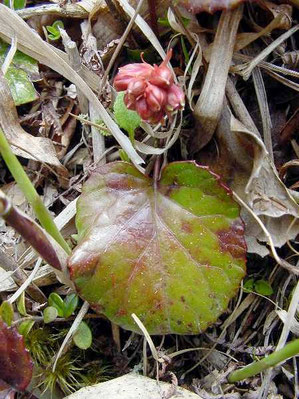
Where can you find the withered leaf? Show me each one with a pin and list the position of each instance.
(197, 6)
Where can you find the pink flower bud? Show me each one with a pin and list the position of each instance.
(157, 117)
(162, 75)
(150, 90)
(175, 98)
(121, 82)
(143, 109)
(155, 97)
(136, 70)
(130, 101)
(136, 87)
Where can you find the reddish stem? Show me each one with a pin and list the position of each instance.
(30, 231)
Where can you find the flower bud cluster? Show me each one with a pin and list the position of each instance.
(150, 90)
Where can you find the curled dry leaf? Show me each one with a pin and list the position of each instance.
(15, 362)
(244, 162)
(171, 251)
(197, 6)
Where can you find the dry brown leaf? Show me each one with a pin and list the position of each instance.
(245, 38)
(208, 108)
(244, 162)
(23, 144)
(285, 10)
(197, 6)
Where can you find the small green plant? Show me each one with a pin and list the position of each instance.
(62, 308)
(20, 74)
(261, 287)
(65, 308)
(39, 341)
(66, 375)
(54, 32)
(15, 4)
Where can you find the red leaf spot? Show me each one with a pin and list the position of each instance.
(186, 227)
(118, 182)
(232, 240)
(98, 308)
(86, 267)
(113, 280)
(121, 313)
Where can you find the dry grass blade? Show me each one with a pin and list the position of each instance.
(264, 109)
(283, 80)
(289, 318)
(19, 276)
(61, 221)
(246, 69)
(26, 283)
(244, 39)
(45, 54)
(172, 135)
(147, 337)
(239, 107)
(265, 65)
(9, 57)
(209, 105)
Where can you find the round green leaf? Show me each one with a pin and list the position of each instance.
(83, 336)
(127, 119)
(70, 305)
(50, 313)
(56, 301)
(6, 312)
(249, 285)
(22, 71)
(25, 327)
(172, 252)
(21, 305)
(263, 287)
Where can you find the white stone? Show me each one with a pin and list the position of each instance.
(132, 386)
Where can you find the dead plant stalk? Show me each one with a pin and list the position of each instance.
(209, 105)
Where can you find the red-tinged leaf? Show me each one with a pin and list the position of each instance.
(15, 362)
(197, 6)
(172, 253)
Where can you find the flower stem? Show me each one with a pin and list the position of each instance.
(30, 193)
(291, 349)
